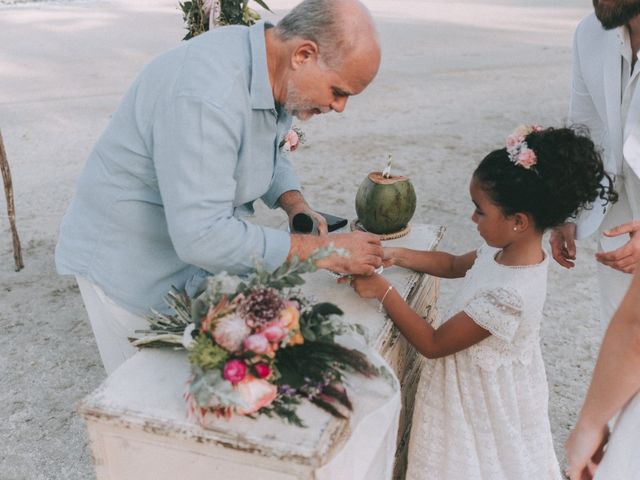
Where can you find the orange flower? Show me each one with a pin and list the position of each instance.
(290, 320)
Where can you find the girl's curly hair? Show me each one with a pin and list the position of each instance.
(568, 177)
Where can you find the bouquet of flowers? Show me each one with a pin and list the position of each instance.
(258, 346)
(200, 15)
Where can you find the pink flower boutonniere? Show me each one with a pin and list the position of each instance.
(292, 140)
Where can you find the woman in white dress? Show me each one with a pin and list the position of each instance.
(615, 386)
(481, 406)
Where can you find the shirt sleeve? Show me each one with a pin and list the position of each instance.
(195, 152)
(498, 310)
(582, 110)
(284, 179)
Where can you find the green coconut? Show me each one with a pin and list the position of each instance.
(385, 204)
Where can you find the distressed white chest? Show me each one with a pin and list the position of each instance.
(138, 426)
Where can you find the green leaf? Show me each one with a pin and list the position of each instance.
(326, 309)
(263, 5)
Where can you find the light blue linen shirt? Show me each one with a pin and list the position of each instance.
(193, 144)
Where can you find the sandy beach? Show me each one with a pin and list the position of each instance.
(456, 77)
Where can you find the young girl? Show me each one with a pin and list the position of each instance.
(481, 406)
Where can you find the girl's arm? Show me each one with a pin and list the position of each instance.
(439, 264)
(456, 334)
(615, 381)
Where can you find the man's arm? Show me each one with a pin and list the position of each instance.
(293, 203)
(195, 153)
(582, 111)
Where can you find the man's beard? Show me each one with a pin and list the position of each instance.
(299, 105)
(617, 14)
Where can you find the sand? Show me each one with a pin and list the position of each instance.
(455, 79)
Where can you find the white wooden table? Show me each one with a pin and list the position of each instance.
(137, 420)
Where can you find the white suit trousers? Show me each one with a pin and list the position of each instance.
(112, 325)
(621, 460)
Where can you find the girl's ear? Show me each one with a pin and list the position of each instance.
(304, 52)
(521, 222)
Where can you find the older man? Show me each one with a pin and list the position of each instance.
(605, 98)
(195, 141)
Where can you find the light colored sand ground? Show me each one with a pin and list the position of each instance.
(456, 77)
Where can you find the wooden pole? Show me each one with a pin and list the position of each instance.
(8, 192)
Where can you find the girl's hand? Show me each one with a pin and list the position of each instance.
(584, 449)
(372, 286)
(389, 256)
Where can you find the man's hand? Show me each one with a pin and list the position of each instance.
(627, 256)
(584, 449)
(563, 245)
(365, 253)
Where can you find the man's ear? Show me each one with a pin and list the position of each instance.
(304, 52)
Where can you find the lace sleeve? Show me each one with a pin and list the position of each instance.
(498, 310)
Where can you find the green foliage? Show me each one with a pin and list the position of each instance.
(317, 325)
(211, 390)
(232, 12)
(207, 355)
(285, 407)
(317, 361)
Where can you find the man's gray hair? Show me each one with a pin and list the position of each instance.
(319, 21)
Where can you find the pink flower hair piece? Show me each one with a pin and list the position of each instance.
(517, 148)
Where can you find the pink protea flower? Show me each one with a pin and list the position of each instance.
(257, 343)
(274, 332)
(256, 393)
(230, 332)
(262, 369)
(235, 371)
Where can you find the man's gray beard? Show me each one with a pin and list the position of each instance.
(297, 104)
(616, 16)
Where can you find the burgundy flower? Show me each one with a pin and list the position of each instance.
(234, 371)
(262, 370)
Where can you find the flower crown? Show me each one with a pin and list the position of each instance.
(517, 148)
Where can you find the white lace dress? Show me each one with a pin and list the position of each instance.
(482, 413)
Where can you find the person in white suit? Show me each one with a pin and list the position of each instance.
(614, 388)
(605, 99)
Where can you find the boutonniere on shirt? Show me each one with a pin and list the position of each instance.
(292, 140)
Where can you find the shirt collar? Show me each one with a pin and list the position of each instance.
(261, 91)
(625, 42)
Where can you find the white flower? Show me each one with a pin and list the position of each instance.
(187, 338)
(223, 283)
(230, 332)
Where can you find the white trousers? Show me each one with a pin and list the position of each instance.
(112, 325)
(614, 283)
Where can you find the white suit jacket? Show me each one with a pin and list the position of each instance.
(596, 102)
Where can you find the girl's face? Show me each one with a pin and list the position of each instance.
(494, 227)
